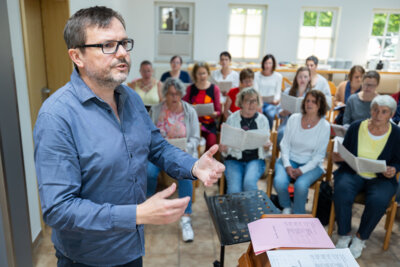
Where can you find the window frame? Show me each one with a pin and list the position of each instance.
(388, 12)
(262, 35)
(334, 26)
(158, 31)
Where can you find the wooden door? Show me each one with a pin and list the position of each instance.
(47, 63)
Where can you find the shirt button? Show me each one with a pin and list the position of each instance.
(130, 155)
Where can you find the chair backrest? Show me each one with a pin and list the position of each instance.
(284, 82)
(329, 165)
(332, 86)
(275, 150)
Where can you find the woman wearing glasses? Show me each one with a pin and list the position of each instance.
(176, 119)
(244, 168)
(204, 92)
(176, 72)
(358, 105)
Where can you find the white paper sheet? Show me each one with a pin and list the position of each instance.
(339, 130)
(361, 165)
(224, 87)
(178, 142)
(204, 109)
(291, 103)
(241, 139)
(312, 258)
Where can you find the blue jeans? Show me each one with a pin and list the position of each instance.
(301, 186)
(185, 187)
(270, 111)
(63, 261)
(243, 176)
(378, 193)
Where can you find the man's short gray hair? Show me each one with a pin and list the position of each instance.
(246, 91)
(99, 16)
(385, 101)
(175, 82)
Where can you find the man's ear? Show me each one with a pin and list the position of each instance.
(76, 56)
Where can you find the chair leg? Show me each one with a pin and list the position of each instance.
(331, 219)
(194, 191)
(315, 201)
(392, 215)
(222, 185)
(269, 182)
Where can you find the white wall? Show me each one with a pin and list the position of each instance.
(24, 116)
(211, 18)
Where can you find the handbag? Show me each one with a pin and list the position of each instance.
(324, 202)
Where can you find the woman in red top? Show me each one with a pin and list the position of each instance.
(246, 80)
(204, 92)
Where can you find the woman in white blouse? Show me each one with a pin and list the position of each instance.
(268, 82)
(303, 150)
(318, 82)
(225, 74)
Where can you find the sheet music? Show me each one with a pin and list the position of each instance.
(271, 233)
(224, 87)
(178, 142)
(339, 130)
(291, 103)
(361, 165)
(204, 109)
(268, 99)
(241, 139)
(312, 258)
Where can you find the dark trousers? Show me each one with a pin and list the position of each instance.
(66, 262)
(378, 193)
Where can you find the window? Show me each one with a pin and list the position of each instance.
(174, 34)
(246, 27)
(317, 33)
(384, 39)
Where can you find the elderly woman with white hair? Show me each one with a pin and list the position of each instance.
(374, 138)
(176, 119)
(244, 168)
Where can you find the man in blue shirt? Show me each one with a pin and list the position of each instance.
(93, 139)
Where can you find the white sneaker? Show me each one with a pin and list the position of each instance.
(287, 211)
(357, 246)
(343, 241)
(187, 231)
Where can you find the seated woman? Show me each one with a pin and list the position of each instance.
(268, 82)
(347, 88)
(374, 138)
(358, 105)
(176, 72)
(244, 168)
(303, 150)
(246, 80)
(317, 81)
(225, 74)
(176, 119)
(396, 117)
(148, 88)
(204, 92)
(301, 85)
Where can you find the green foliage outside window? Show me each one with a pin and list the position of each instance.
(325, 19)
(394, 23)
(310, 18)
(378, 27)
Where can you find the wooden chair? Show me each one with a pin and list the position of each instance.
(326, 176)
(332, 87)
(284, 82)
(390, 216)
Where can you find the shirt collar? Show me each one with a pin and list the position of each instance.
(84, 93)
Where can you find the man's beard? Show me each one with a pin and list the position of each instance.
(105, 77)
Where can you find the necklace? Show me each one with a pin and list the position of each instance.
(247, 122)
(309, 123)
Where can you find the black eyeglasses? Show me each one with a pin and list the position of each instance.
(111, 47)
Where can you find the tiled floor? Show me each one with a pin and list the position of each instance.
(164, 246)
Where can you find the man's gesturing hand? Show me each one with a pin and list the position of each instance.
(208, 169)
(160, 210)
